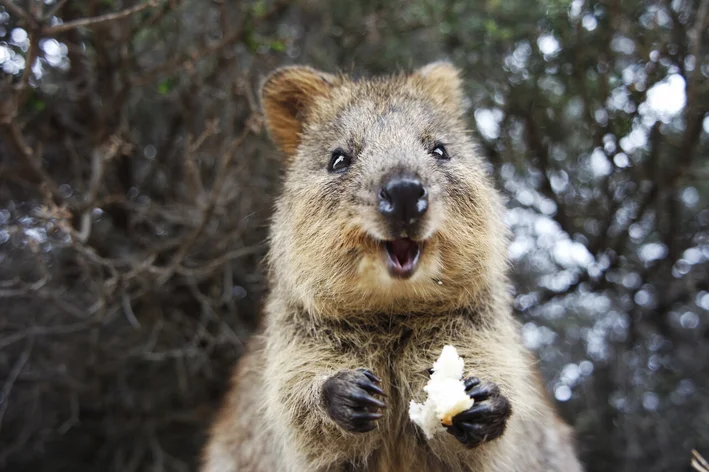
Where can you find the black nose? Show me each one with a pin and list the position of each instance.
(403, 200)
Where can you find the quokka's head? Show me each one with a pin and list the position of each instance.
(385, 207)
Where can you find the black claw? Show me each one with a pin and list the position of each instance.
(371, 376)
(471, 428)
(346, 396)
(486, 420)
(366, 416)
(371, 388)
(475, 413)
(367, 400)
(471, 382)
(365, 428)
(454, 430)
(484, 391)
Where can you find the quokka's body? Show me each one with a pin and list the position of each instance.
(387, 243)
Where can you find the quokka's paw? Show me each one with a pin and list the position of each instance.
(349, 398)
(486, 419)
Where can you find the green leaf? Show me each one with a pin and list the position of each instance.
(491, 26)
(278, 45)
(250, 39)
(166, 86)
(258, 9)
(34, 102)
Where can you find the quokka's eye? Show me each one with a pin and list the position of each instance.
(339, 161)
(439, 152)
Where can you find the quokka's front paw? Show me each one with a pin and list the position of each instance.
(350, 402)
(486, 419)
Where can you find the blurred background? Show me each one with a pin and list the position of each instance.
(136, 182)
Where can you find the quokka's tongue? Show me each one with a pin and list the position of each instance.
(404, 250)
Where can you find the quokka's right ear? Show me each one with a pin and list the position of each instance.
(443, 80)
(287, 98)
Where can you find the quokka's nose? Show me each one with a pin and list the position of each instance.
(403, 200)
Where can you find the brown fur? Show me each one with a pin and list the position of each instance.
(333, 306)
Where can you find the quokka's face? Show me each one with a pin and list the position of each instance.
(384, 195)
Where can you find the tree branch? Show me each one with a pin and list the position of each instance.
(537, 146)
(16, 140)
(12, 377)
(208, 210)
(177, 63)
(57, 8)
(15, 10)
(97, 20)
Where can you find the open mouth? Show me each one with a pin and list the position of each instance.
(402, 257)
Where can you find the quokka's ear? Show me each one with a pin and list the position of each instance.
(443, 80)
(287, 97)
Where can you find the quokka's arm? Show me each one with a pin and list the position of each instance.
(324, 402)
(509, 408)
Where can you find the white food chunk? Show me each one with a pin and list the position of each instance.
(446, 394)
(424, 415)
(449, 365)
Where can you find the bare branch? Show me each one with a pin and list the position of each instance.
(128, 311)
(213, 197)
(540, 150)
(99, 158)
(13, 136)
(98, 20)
(16, 10)
(48, 330)
(698, 462)
(178, 63)
(168, 7)
(207, 268)
(57, 8)
(12, 377)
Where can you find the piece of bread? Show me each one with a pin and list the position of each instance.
(446, 394)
